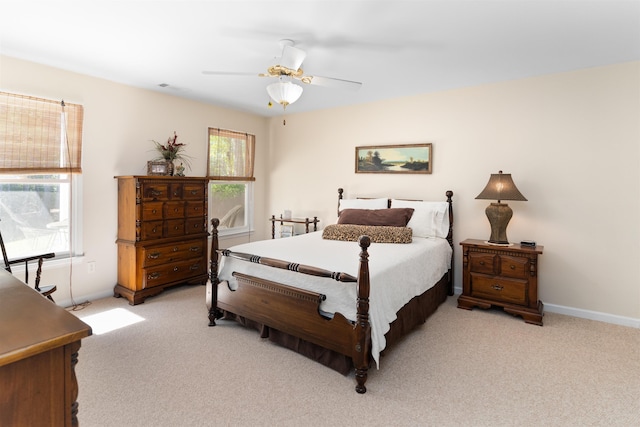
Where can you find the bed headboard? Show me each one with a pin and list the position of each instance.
(448, 193)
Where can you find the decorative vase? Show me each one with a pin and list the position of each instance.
(170, 167)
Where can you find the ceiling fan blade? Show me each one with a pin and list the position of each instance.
(292, 57)
(331, 82)
(229, 73)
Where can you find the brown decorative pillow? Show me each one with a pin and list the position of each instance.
(377, 234)
(393, 217)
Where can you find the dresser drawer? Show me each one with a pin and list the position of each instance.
(176, 191)
(152, 211)
(194, 192)
(172, 253)
(481, 263)
(512, 266)
(195, 209)
(195, 226)
(499, 289)
(155, 191)
(173, 210)
(151, 230)
(175, 227)
(163, 274)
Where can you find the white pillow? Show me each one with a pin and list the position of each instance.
(429, 219)
(363, 204)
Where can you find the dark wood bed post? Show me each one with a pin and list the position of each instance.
(340, 191)
(212, 285)
(450, 239)
(363, 328)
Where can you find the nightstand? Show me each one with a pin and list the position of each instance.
(504, 276)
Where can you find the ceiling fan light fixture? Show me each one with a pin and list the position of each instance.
(284, 93)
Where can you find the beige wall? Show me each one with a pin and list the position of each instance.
(570, 140)
(119, 124)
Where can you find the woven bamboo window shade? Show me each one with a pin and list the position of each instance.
(39, 135)
(231, 155)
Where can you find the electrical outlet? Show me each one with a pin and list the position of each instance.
(91, 267)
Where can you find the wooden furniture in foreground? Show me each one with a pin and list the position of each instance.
(504, 276)
(162, 234)
(45, 291)
(293, 312)
(305, 221)
(39, 344)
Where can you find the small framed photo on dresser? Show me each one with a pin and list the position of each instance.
(158, 168)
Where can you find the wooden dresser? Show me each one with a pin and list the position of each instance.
(504, 276)
(39, 344)
(162, 234)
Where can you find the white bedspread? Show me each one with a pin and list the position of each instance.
(398, 272)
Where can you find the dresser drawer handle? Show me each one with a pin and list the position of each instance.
(154, 255)
(194, 192)
(197, 208)
(176, 210)
(497, 287)
(194, 267)
(154, 211)
(176, 228)
(175, 269)
(194, 248)
(154, 230)
(481, 262)
(176, 249)
(513, 267)
(153, 276)
(155, 192)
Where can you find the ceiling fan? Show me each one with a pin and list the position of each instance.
(287, 70)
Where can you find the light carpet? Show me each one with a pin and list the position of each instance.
(461, 368)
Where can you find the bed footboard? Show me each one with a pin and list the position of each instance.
(295, 311)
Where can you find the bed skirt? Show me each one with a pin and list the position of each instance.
(414, 313)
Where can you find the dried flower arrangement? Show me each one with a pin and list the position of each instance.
(172, 150)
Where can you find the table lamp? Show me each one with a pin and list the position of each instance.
(500, 187)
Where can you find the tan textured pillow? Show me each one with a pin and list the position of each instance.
(377, 234)
(393, 217)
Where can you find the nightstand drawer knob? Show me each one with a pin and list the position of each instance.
(481, 262)
(497, 287)
(513, 267)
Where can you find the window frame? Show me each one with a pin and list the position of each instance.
(52, 129)
(241, 174)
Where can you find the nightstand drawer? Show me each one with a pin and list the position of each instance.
(511, 266)
(481, 263)
(499, 289)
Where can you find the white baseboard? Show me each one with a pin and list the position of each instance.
(67, 303)
(585, 314)
(593, 315)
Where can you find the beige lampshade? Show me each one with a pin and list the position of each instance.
(501, 187)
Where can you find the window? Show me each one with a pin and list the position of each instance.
(230, 170)
(40, 151)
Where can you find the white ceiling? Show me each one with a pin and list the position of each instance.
(395, 48)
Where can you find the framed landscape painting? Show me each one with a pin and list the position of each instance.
(407, 158)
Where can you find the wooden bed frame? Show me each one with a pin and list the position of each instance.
(296, 311)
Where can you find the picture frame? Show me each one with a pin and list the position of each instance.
(395, 159)
(157, 167)
(286, 230)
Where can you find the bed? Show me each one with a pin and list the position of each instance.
(319, 294)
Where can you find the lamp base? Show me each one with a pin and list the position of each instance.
(499, 215)
(498, 244)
